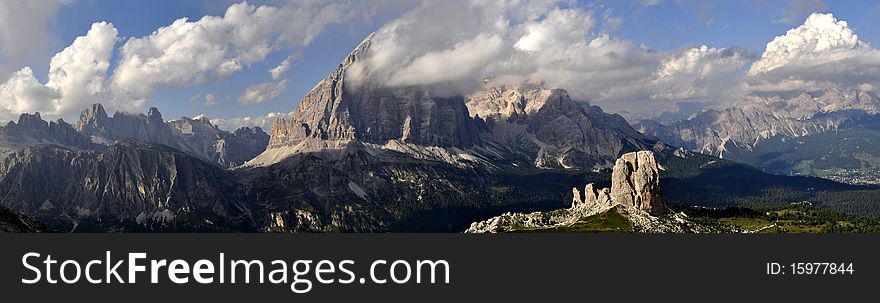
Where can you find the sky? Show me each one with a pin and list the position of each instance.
(240, 63)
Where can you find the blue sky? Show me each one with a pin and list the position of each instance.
(664, 26)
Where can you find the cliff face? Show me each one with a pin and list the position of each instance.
(95, 124)
(635, 182)
(332, 111)
(551, 129)
(31, 130)
(502, 124)
(128, 186)
(196, 137)
(200, 138)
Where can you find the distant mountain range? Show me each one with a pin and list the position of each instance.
(362, 157)
(831, 133)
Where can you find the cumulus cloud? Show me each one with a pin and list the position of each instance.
(560, 26)
(537, 42)
(699, 73)
(215, 47)
(23, 93)
(259, 93)
(24, 32)
(822, 52)
(451, 46)
(180, 54)
(75, 78)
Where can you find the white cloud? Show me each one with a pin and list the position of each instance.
(559, 27)
(701, 72)
(24, 34)
(264, 122)
(188, 52)
(451, 46)
(78, 71)
(209, 100)
(282, 68)
(610, 23)
(463, 60)
(822, 52)
(23, 93)
(180, 54)
(262, 92)
(75, 78)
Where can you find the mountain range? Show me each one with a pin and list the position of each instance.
(829, 133)
(363, 157)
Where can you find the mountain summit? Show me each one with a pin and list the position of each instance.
(501, 124)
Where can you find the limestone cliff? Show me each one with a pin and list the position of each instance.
(635, 182)
(333, 110)
(551, 129)
(196, 137)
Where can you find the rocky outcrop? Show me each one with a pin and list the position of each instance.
(635, 183)
(635, 189)
(592, 197)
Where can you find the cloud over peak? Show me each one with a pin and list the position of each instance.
(536, 42)
(451, 46)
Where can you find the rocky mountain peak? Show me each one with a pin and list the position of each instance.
(31, 130)
(333, 111)
(505, 101)
(154, 115)
(557, 130)
(94, 115)
(32, 121)
(521, 122)
(733, 131)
